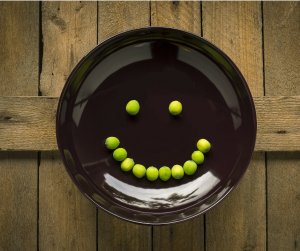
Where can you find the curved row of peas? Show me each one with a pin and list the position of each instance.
(152, 173)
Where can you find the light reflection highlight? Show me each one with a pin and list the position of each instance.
(164, 197)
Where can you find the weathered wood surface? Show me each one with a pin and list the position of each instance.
(180, 15)
(67, 220)
(239, 223)
(117, 234)
(19, 69)
(282, 74)
(282, 48)
(114, 233)
(23, 120)
(42, 210)
(278, 121)
(283, 201)
(188, 235)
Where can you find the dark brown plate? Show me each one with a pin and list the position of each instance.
(156, 66)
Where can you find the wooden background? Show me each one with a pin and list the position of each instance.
(41, 209)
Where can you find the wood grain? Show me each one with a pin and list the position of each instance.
(188, 235)
(185, 16)
(239, 223)
(282, 48)
(117, 16)
(283, 201)
(18, 171)
(116, 234)
(18, 209)
(28, 122)
(67, 220)
(282, 76)
(176, 14)
(278, 126)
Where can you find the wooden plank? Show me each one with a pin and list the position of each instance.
(67, 220)
(282, 53)
(116, 16)
(28, 123)
(283, 201)
(278, 121)
(282, 76)
(19, 33)
(116, 234)
(18, 209)
(236, 28)
(176, 14)
(185, 16)
(188, 235)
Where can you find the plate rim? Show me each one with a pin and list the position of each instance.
(156, 29)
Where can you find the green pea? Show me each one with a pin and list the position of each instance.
(198, 157)
(164, 173)
(127, 164)
(189, 167)
(139, 171)
(133, 107)
(112, 143)
(120, 154)
(203, 145)
(152, 173)
(177, 172)
(175, 107)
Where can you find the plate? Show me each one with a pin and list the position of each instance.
(156, 65)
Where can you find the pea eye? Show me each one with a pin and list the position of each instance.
(133, 107)
(175, 108)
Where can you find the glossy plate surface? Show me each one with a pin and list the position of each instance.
(156, 66)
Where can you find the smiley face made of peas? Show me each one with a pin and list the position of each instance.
(153, 173)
